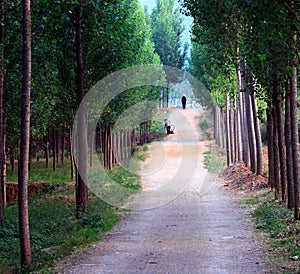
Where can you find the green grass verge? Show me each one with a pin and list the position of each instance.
(277, 222)
(214, 160)
(54, 230)
(39, 173)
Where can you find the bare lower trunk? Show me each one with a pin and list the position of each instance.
(228, 130)
(24, 144)
(251, 133)
(270, 134)
(54, 149)
(289, 151)
(276, 155)
(82, 177)
(295, 138)
(46, 144)
(259, 155)
(71, 154)
(281, 145)
(2, 150)
(62, 159)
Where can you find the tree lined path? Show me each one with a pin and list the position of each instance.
(201, 231)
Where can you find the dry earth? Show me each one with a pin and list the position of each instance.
(183, 221)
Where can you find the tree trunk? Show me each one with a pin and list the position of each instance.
(259, 151)
(276, 158)
(232, 134)
(24, 145)
(57, 146)
(228, 130)
(46, 143)
(71, 154)
(4, 169)
(92, 136)
(81, 178)
(238, 125)
(107, 157)
(281, 144)
(251, 133)
(244, 120)
(295, 137)
(62, 159)
(54, 149)
(289, 151)
(271, 167)
(2, 150)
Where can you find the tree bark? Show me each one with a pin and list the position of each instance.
(289, 151)
(46, 143)
(24, 145)
(276, 158)
(2, 147)
(259, 151)
(295, 137)
(281, 144)
(238, 125)
(62, 159)
(270, 134)
(81, 178)
(251, 133)
(228, 130)
(71, 154)
(54, 149)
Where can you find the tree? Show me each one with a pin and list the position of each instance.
(166, 23)
(260, 39)
(81, 178)
(24, 143)
(2, 146)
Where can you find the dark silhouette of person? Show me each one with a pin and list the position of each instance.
(183, 101)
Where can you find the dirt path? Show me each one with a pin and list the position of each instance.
(183, 223)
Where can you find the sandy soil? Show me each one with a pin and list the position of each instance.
(183, 222)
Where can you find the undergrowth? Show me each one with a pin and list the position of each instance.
(54, 230)
(214, 160)
(277, 221)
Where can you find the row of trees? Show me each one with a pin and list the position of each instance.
(166, 24)
(247, 53)
(67, 47)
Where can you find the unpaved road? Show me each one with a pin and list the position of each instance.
(183, 223)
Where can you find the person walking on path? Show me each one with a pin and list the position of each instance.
(183, 101)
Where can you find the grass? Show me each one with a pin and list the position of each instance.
(40, 173)
(206, 125)
(214, 160)
(54, 230)
(277, 222)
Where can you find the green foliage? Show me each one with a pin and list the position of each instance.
(54, 230)
(115, 35)
(125, 178)
(259, 31)
(214, 160)
(278, 222)
(39, 173)
(166, 23)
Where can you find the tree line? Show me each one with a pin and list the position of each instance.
(52, 53)
(247, 53)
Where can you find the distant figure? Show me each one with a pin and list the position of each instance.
(183, 101)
